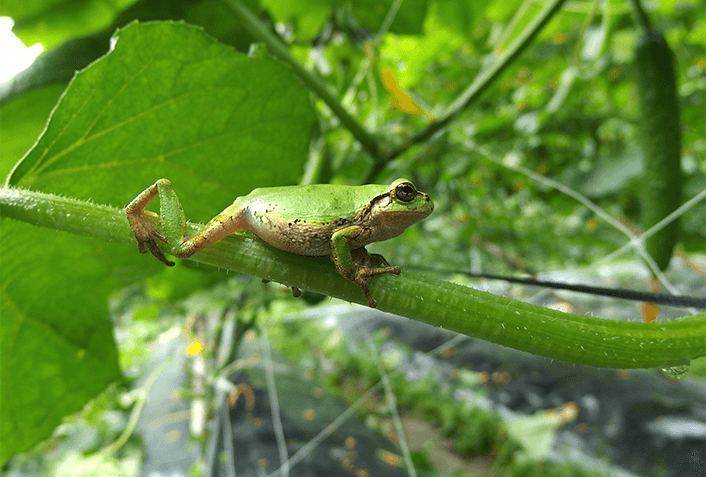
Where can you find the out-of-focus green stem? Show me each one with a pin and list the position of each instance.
(642, 16)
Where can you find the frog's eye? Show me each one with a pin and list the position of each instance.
(405, 192)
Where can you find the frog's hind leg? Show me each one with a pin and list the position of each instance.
(145, 225)
(232, 219)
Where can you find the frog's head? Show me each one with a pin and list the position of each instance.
(399, 207)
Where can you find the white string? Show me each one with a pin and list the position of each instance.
(392, 405)
(274, 405)
(635, 241)
(343, 417)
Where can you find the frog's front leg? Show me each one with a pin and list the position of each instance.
(144, 224)
(354, 265)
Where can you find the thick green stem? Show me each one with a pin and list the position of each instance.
(573, 338)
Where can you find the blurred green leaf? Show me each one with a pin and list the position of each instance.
(410, 55)
(51, 22)
(57, 65)
(612, 173)
(457, 16)
(307, 17)
(535, 433)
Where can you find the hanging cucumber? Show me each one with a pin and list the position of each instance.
(660, 136)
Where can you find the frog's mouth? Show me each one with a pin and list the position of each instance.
(409, 216)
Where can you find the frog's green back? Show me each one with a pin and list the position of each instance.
(319, 202)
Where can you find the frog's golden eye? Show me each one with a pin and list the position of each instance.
(405, 192)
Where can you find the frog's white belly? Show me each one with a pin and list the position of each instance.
(295, 236)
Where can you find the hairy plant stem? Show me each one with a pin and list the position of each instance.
(568, 337)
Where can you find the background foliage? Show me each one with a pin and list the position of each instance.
(170, 100)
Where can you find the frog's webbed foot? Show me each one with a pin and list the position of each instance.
(362, 271)
(144, 227)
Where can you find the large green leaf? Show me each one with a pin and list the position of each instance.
(22, 122)
(167, 101)
(56, 343)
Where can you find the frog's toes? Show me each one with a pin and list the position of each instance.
(369, 272)
(145, 232)
(152, 246)
(363, 285)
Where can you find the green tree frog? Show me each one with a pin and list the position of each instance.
(315, 220)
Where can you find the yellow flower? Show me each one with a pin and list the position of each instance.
(196, 347)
